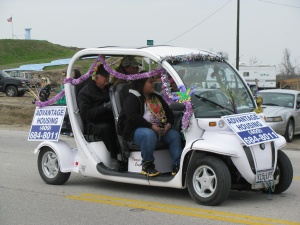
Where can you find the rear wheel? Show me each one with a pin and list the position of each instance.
(209, 181)
(37, 85)
(21, 93)
(11, 91)
(289, 132)
(284, 170)
(49, 168)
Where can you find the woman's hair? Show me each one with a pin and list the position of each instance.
(138, 85)
(76, 73)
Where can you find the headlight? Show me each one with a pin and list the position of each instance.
(221, 123)
(24, 84)
(274, 119)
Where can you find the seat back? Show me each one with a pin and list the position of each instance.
(74, 93)
(177, 120)
(86, 129)
(117, 97)
(121, 93)
(76, 111)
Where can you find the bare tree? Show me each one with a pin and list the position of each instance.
(297, 66)
(287, 69)
(253, 60)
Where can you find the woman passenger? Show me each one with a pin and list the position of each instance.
(148, 120)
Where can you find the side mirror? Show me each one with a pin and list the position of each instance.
(176, 106)
(298, 105)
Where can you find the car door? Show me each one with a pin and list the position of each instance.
(297, 114)
(1, 83)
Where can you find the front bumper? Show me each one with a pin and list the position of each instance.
(278, 127)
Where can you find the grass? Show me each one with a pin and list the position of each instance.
(14, 53)
(18, 52)
(16, 115)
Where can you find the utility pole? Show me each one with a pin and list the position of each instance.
(238, 36)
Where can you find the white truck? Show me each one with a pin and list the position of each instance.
(259, 76)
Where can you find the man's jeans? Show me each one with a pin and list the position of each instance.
(147, 139)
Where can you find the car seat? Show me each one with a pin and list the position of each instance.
(117, 97)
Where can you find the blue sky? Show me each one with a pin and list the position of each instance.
(266, 27)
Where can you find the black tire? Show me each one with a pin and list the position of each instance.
(21, 93)
(11, 91)
(289, 131)
(49, 168)
(208, 181)
(284, 171)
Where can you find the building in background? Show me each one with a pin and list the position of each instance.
(27, 33)
(259, 76)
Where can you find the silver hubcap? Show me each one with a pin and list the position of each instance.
(204, 181)
(10, 92)
(290, 131)
(50, 164)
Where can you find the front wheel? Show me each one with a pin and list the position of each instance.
(49, 168)
(209, 181)
(284, 170)
(289, 132)
(11, 91)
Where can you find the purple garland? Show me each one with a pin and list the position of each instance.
(172, 97)
(91, 71)
(186, 124)
(132, 76)
(169, 96)
(186, 119)
(191, 58)
(68, 80)
(165, 83)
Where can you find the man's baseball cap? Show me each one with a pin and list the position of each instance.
(129, 61)
(102, 71)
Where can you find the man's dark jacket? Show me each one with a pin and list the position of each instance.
(91, 101)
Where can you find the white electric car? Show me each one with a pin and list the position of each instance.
(214, 160)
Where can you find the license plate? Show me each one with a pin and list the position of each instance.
(264, 175)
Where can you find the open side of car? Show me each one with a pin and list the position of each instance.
(214, 160)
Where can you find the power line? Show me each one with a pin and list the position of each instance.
(274, 3)
(198, 23)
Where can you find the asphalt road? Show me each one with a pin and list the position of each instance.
(26, 199)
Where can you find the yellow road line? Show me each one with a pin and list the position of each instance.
(296, 178)
(180, 210)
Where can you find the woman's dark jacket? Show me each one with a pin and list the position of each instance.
(91, 101)
(134, 110)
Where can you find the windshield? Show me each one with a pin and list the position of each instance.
(28, 75)
(278, 99)
(4, 74)
(218, 89)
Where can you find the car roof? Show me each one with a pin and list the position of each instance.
(158, 51)
(163, 50)
(284, 91)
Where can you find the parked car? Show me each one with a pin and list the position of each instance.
(34, 82)
(281, 108)
(13, 86)
(214, 160)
